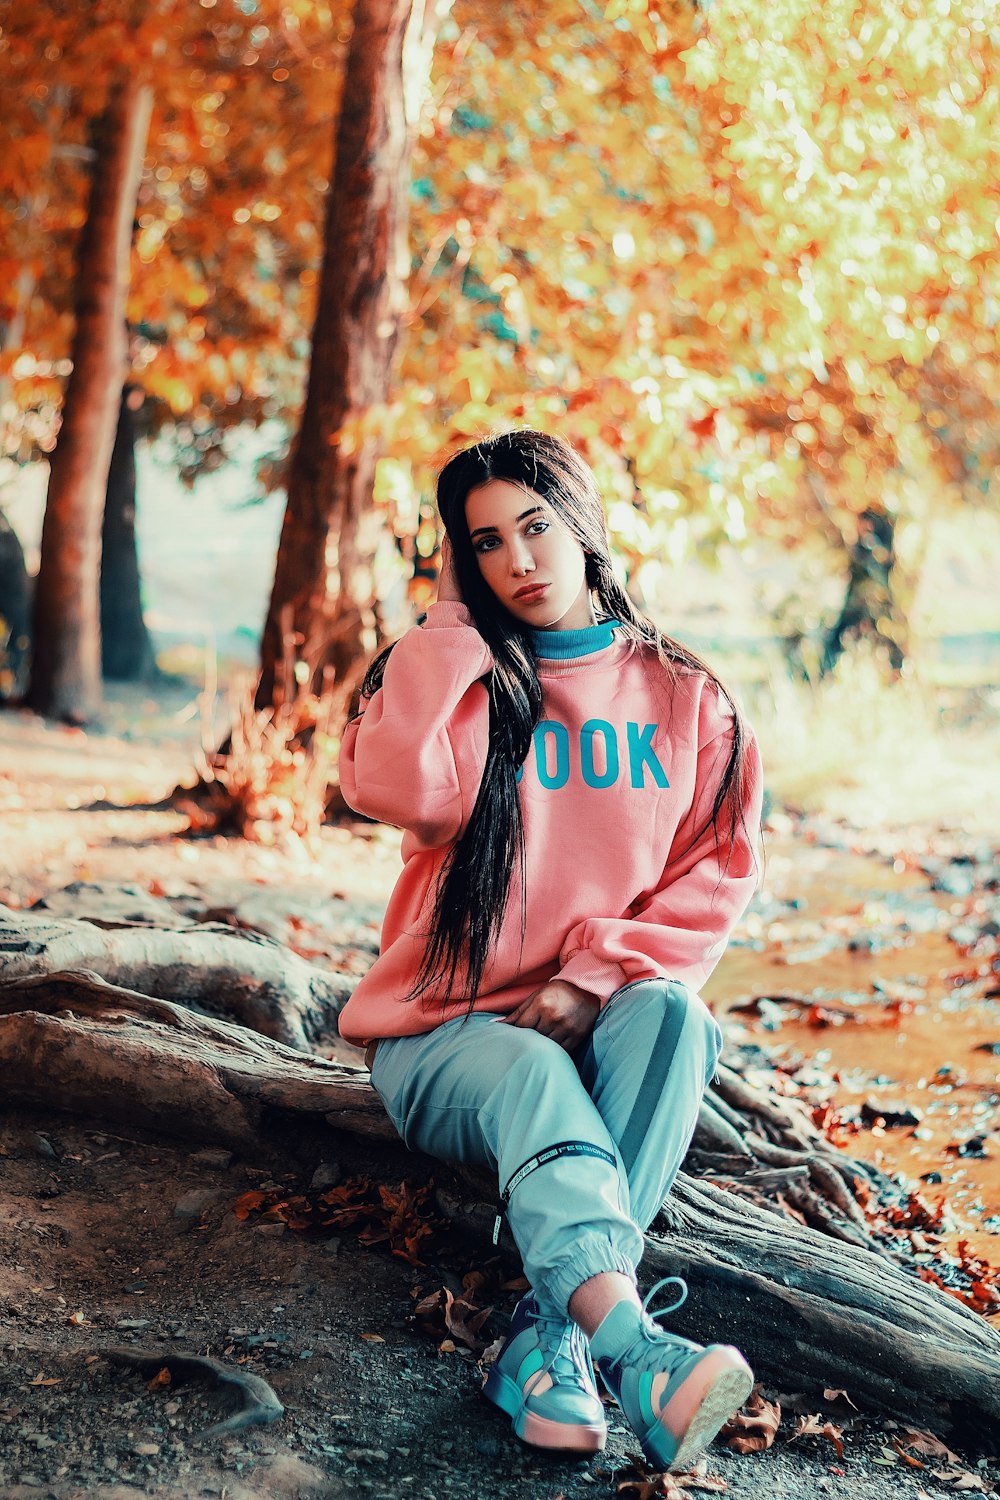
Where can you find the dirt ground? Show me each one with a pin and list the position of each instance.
(114, 1240)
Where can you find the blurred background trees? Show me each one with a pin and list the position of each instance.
(744, 256)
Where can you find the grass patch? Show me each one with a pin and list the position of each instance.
(878, 753)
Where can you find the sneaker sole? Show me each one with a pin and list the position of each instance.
(542, 1432)
(724, 1394)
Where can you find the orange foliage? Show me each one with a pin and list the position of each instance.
(743, 254)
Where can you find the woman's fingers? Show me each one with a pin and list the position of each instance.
(448, 589)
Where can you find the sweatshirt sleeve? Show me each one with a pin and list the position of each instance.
(414, 757)
(681, 930)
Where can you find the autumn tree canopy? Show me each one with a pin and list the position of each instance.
(744, 255)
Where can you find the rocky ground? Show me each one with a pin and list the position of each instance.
(118, 1245)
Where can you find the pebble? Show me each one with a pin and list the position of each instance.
(270, 1231)
(212, 1156)
(42, 1146)
(327, 1174)
(192, 1205)
(145, 1450)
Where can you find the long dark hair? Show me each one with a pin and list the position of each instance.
(474, 884)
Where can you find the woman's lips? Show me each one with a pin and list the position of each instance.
(528, 595)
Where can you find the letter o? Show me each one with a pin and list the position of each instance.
(558, 778)
(591, 775)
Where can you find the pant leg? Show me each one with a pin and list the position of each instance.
(480, 1091)
(646, 1066)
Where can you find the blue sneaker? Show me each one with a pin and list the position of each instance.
(543, 1378)
(674, 1394)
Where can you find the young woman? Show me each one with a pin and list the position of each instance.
(580, 804)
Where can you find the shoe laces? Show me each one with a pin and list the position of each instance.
(662, 1312)
(653, 1347)
(565, 1352)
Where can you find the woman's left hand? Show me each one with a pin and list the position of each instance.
(559, 1010)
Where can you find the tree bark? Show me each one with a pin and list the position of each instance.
(324, 564)
(870, 611)
(126, 650)
(66, 668)
(813, 1311)
(243, 976)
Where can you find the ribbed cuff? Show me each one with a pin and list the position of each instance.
(598, 976)
(446, 613)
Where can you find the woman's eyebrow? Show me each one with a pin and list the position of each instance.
(536, 510)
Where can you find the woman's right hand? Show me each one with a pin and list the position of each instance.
(448, 589)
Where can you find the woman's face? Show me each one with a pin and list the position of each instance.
(529, 559)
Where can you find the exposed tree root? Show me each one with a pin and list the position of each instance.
(245, 977)
(259, 1403)
(815, 1304)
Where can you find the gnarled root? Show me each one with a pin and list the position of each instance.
(259, 1404)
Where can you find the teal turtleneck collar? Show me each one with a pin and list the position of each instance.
(564, 644)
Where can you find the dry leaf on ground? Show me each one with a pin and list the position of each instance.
(962, 1479)
(644, 1484)
(928, 1444)
(459, 1317)
(813, 1427)
(753, 1428)
(908, 1458)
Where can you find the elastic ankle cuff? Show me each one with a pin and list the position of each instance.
(592, 1255)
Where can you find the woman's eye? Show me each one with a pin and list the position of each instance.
(535, 528)
(486, 545)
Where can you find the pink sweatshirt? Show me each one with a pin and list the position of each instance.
(621, 775)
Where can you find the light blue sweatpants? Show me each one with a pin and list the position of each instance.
(478, 1090)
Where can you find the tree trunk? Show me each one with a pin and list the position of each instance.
(870, 611)
(66, 668)
(15, 613)
(764, 1222)
(324, 563)
(126, 650)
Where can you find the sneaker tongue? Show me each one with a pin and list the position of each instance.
(554, 1337)
(617, 1331)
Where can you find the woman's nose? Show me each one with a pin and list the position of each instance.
(521, 560)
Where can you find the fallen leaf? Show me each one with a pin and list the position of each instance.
(459, 1317)
(832, 1395)
(45, 1380)
(491, 1353)
(76, 1319)
(644, 1484)
(373, 1338)
(752, 1429)
(929, 1445)
(907, 1458)
(813, 1427)
(159, 1380)
(248, 1203)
